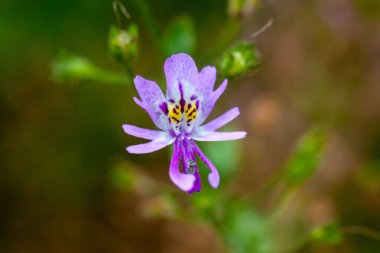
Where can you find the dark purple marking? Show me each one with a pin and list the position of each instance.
(182, 101)
(193, 97)
(197, 104)
(191, 112)
(188, 106)
(172, 101)
(188, 121)
(164, 108)
(176, 120)
(177, 106)
(180, 89)
(175, 111)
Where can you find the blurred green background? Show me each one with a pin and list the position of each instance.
(67, 184)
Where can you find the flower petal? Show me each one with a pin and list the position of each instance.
(162, 141)
(188, 159)
(207, 78)
(213, 177)
(221, 120)
(180, 69)
(208, 103)
(218, 136)
(184, 181)
(141, 132)
(151, 100)
(139, 102)
(197, 183)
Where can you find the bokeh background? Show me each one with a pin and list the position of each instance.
(67, 184)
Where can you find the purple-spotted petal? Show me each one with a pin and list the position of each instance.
(141, 132)
(208, 103)
(218, 136)
(222, 120)
(213, 177)
(162, 141)
(180, 69)
(184, 181)
(151, 100)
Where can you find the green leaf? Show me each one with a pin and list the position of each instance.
(306, 158)
(69, 67)
(180, 36)
(245, 230)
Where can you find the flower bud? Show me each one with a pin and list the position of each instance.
(123, 43)
(240, 59)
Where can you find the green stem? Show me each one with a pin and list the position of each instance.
(361, 230)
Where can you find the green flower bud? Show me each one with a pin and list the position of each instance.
(123, 43)
(240, 59)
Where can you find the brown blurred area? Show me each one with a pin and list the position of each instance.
(59, 142)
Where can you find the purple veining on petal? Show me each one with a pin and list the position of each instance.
(193, 97)
(182, 101)
(180, 68)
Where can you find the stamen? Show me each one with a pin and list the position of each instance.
(190, 169)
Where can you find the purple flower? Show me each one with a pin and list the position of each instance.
(190, 98)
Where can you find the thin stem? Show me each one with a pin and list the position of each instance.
(362, 230)
(119, 6)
